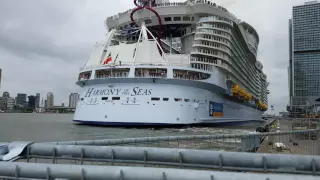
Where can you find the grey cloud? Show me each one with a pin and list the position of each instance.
(228, 3)
(32, 27)
(44, 43)
(30, 45)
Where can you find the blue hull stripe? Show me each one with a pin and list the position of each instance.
(227, 123)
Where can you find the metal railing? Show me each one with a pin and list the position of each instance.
(116, 159)
(234, 161)
(294, 142)
(54, 171)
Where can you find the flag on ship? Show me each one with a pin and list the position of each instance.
(109, 59)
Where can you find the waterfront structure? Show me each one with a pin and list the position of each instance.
(21, 100)
(6, 103)
(31, 101)
(37, 103)
(0, 76)
(188, 63)
(50, 100)
(73, 99)
(304, 59)
(5, 94)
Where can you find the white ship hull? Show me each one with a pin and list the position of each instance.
(145, 104)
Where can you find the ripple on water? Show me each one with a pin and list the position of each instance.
(59, 127)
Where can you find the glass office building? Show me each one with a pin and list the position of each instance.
(304, 60)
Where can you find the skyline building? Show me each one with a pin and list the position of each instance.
(37, 100)
(73, 99)
(6, 103)
(5, 94)
(31, 101)
(50, 100)
(304, 56)
(21, 100)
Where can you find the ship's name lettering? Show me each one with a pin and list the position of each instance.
(136, 91)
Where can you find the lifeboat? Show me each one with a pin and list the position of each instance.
(241, 93)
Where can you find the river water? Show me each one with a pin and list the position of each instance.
(59, 127)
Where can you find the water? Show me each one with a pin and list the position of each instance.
(59, 127)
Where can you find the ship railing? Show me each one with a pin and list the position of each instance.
(112, 76)
(181, 63)
(164, 75)
(191, 76)
(89, 67)
(169, 4)
(172, 4)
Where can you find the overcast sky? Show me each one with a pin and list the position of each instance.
(43, 43)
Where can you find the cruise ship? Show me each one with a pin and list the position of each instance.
(173, 64)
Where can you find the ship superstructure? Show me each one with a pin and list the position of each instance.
(166, 63)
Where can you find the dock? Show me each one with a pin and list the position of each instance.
(289, 151)
(292, 144)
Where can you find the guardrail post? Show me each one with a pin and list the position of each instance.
(264, 159)
(54, 155)
(121, 175)
(314, 167)
(164, 176)
(220, 161)
(81, 156)
(145, 158)
(83, 174)
(16, 173)
(112, 157)
(181, 159)
(48, 173)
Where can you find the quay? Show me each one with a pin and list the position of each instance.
(222, 157)
(292, 143)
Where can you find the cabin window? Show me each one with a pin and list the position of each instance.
(82, 99)
(104, 98)
(167, 19)
(186, 18)
(186, 100)
(148, 21)
(165, 99)
(176, 18)
(177, 99)
(115, 98)
(155, 99)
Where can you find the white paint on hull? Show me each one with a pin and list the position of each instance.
(139, 104)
